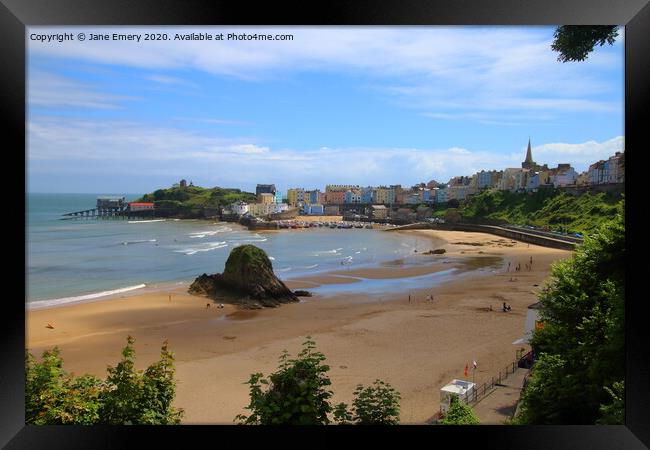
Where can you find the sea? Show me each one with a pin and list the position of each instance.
(84, 259)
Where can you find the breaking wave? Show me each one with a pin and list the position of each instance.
(79, 298)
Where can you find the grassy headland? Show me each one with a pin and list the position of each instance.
(554, 209)
(192, 201)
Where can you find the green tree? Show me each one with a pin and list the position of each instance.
(581, 344)
(137, 398)
(374, 405)
(297, 393)
(614, 413)
(575, 42)
(55, 397)
(459, 414)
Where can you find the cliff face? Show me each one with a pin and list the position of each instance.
(247, 280)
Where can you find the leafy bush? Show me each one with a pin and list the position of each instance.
(614, 413)
(137, 398)
(53, 397)
(582, 342)
(374, 405)
(127, 396)
(459, 414)
(297, 394)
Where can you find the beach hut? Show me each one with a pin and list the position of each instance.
(462, 389)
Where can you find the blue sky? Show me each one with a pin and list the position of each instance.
(335, 105)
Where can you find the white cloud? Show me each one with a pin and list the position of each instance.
(214, 121)
(495, 71)
(54, 91)
(581, 154)
(77, 146)
(167, 80)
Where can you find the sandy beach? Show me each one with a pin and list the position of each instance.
(415, 345)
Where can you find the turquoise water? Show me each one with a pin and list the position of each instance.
(69, 260)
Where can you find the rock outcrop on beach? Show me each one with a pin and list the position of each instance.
(247, 280)
(438, 251)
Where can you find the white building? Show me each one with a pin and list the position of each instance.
(279, 207)
(239, 208)
(461, 389)
(565, 176)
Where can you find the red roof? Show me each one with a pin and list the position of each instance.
(140, 204)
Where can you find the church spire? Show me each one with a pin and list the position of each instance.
(529, 153)
(528, 163)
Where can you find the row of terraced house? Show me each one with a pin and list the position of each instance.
(529, 177)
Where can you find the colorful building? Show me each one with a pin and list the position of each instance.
(296, 196)
(334, 197)
(367, 195)
(352, 196)
(314, 209)
(441, 194)
(266, 198)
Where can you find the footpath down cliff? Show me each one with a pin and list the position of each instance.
(247, 280)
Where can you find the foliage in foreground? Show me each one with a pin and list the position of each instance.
(375, 405)
(575, 42)
(459, 414)
(297, 394)
(578, 376)
(613, 413)
(126, 397)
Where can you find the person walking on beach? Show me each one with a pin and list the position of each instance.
(509, 266)
(170, 298)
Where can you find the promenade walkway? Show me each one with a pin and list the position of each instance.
(499, 405)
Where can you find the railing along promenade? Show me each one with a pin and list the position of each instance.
(485, 389)
(533, 237)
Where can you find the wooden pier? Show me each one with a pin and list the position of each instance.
(96, 213)
(111, 208)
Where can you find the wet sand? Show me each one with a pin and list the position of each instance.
(416, 346)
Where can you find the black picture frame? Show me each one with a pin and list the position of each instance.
(15, 15)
